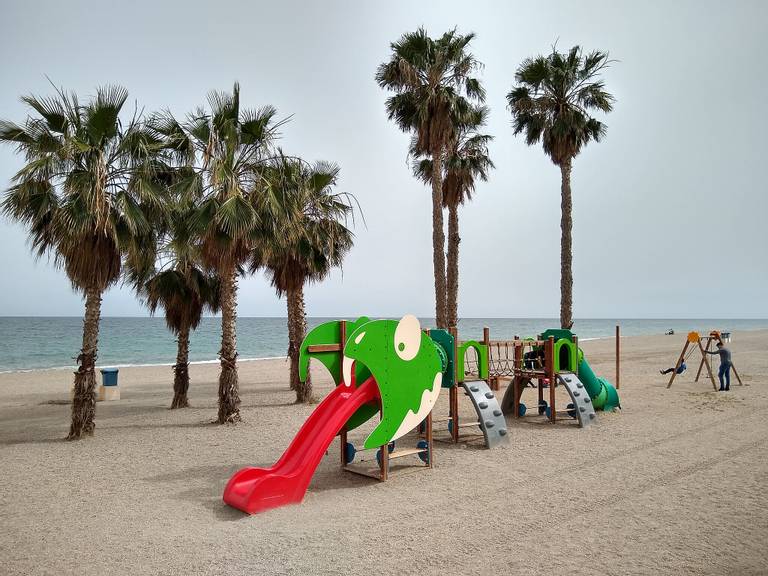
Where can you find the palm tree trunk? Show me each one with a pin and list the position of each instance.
(453, 265)
(297, 316)
(292, 346)
(84, 401)
(566, 247)
(438, 238)
(181, 371)
(229, 394)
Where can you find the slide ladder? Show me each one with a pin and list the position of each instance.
(489, 414)
(257, 489)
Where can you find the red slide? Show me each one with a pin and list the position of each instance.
(256, 489)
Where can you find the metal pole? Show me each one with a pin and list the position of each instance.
(618, 357)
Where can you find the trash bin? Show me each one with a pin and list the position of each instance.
(726, 336)
(109, 376)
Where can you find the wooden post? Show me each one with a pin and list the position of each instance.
(457, 377)
(517, 391)
(453, 398)
(703, 356)
(343, 444)
(549, 351)
(493, 383)
(679, 361)
(454, 394)
(429, 439)
(706, 363)
(618, 357)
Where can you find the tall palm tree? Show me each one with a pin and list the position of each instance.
(434, 86)
(551, 102)
(467, 159)
(306, 238)
(223, 151)
(183, 289)
(88, 197)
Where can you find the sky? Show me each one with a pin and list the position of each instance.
(669, 210)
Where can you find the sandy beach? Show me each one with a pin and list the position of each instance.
(672, 484)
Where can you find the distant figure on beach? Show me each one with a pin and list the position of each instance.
(680, 369)
(725, 366)
(670, 332)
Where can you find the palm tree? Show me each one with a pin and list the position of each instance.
(467, 160)
(182, 289)
(88, 197)
(433, 84)
(223, 152)
(307, 237)
(551, 102)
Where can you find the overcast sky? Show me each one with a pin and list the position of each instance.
(669, 210)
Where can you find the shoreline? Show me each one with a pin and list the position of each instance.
(148, 365)
(283, 357)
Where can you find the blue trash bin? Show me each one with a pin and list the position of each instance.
(109, 376)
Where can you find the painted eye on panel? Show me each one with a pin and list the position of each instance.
(408, 337)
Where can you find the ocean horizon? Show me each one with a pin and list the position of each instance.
(39, 343)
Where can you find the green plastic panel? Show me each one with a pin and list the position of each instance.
(444, 339)
(330, 333)
(566, 348)
(482, 359)
(406, 365)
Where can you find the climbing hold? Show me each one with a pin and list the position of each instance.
(489, 423)
(582, 409)
(474, 388)
(483, 405)
(489, 395)
(576, 393)
(567, 378)
(349, 452)
(497, 413)
(503, 432)
(587, 400)
(424, 456)
(579, 385)
(592, 415)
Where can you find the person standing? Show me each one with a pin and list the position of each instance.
(725, 366)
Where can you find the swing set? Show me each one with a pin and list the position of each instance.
(696, 342)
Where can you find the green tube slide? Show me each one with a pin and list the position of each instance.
(604, 395)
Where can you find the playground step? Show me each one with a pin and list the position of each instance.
(583, 408)
(491, 419)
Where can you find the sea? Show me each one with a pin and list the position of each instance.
(36, 343)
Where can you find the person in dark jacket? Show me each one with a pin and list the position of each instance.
(725, 366)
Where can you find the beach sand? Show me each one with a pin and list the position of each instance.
(675, 483)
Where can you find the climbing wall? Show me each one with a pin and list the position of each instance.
(489, 414)
(582, 403)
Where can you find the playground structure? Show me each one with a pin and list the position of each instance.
(695, 342)
(383, 367)
(553, 359)
(468, 372)
(396, 370)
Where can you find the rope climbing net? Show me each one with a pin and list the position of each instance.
(501, 358)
